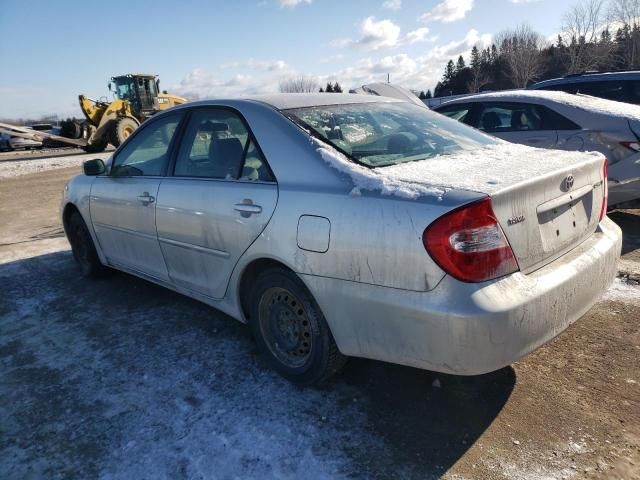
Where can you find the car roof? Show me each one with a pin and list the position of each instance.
(284, 101)
(588, 77)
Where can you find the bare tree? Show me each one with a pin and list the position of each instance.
(300, 84)
(582, 28)
(520, 49)
(625, 14)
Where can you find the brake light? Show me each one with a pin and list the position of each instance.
(633, 146)
(469, 244)
(605, 191)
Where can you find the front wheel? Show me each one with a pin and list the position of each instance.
(290, 330)
(84, 251)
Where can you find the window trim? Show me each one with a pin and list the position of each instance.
(146, 124)
(171, 165)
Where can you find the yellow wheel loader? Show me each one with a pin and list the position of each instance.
(137, 97)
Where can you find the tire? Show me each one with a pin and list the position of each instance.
(122, 128)
(95, 147)
(83, 249)
(290, 329)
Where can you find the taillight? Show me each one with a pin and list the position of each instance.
(469, 244)
(633, 146)
(605, 190)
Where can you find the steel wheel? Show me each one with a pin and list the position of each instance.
(285, 327)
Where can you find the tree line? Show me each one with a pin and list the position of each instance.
(596, 35)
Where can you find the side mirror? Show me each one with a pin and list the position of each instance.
(94, 167)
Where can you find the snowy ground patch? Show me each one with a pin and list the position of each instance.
(623, 291)
(15, 168)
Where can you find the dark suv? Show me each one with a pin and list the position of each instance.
(619, 86)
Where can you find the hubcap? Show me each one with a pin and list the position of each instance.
(285, 326)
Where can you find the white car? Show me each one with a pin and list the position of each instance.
(562, 121)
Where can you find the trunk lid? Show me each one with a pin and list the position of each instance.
(548, 215)
(546, 201)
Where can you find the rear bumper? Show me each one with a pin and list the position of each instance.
(464, 328)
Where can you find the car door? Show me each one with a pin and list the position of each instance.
(217, 201)
(123, 201)
(516, 122)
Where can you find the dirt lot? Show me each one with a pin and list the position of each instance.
(123, 379)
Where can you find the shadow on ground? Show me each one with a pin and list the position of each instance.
(630, 225)
(64, 339)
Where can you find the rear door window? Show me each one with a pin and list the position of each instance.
(217, 144)
(497, 117)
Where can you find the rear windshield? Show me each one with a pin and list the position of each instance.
(382, 134)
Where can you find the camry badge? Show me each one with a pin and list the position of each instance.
(516, 219)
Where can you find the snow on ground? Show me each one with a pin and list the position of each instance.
(15, 168)
(144, 383)
(623, 291)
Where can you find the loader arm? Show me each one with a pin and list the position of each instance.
(93, 110)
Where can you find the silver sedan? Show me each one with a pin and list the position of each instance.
(352, 225)
(562, 121)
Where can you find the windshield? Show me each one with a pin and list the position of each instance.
(382, 134)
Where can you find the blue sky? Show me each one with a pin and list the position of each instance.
(52, 51)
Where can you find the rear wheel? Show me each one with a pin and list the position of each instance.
(84, 251)
(291, 331)
(122, 129)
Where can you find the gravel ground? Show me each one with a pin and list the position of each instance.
(120, 378)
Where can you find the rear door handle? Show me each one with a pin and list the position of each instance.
(247, 209)
(146, 199)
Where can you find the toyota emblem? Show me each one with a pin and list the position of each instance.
(568, 182)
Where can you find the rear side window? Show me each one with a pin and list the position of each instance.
(217, 144)
(552, 120)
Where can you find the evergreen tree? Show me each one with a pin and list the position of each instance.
(321, 90)
(328, 88)
(337, 88)
(460, 65)
(428, 95)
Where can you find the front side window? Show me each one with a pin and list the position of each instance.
(217, 144)
(381, 134)
(459, 111)
(146, 153)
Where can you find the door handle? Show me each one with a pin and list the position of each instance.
(247, 209)
(146, 199)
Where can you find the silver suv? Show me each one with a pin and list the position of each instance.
(618, 86)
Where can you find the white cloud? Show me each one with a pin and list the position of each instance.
(392, 4)
(377, 35)
(257, 77)
(448, 11)
(419, 35)
(418, 73)
(292, 3)
(523, 1)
